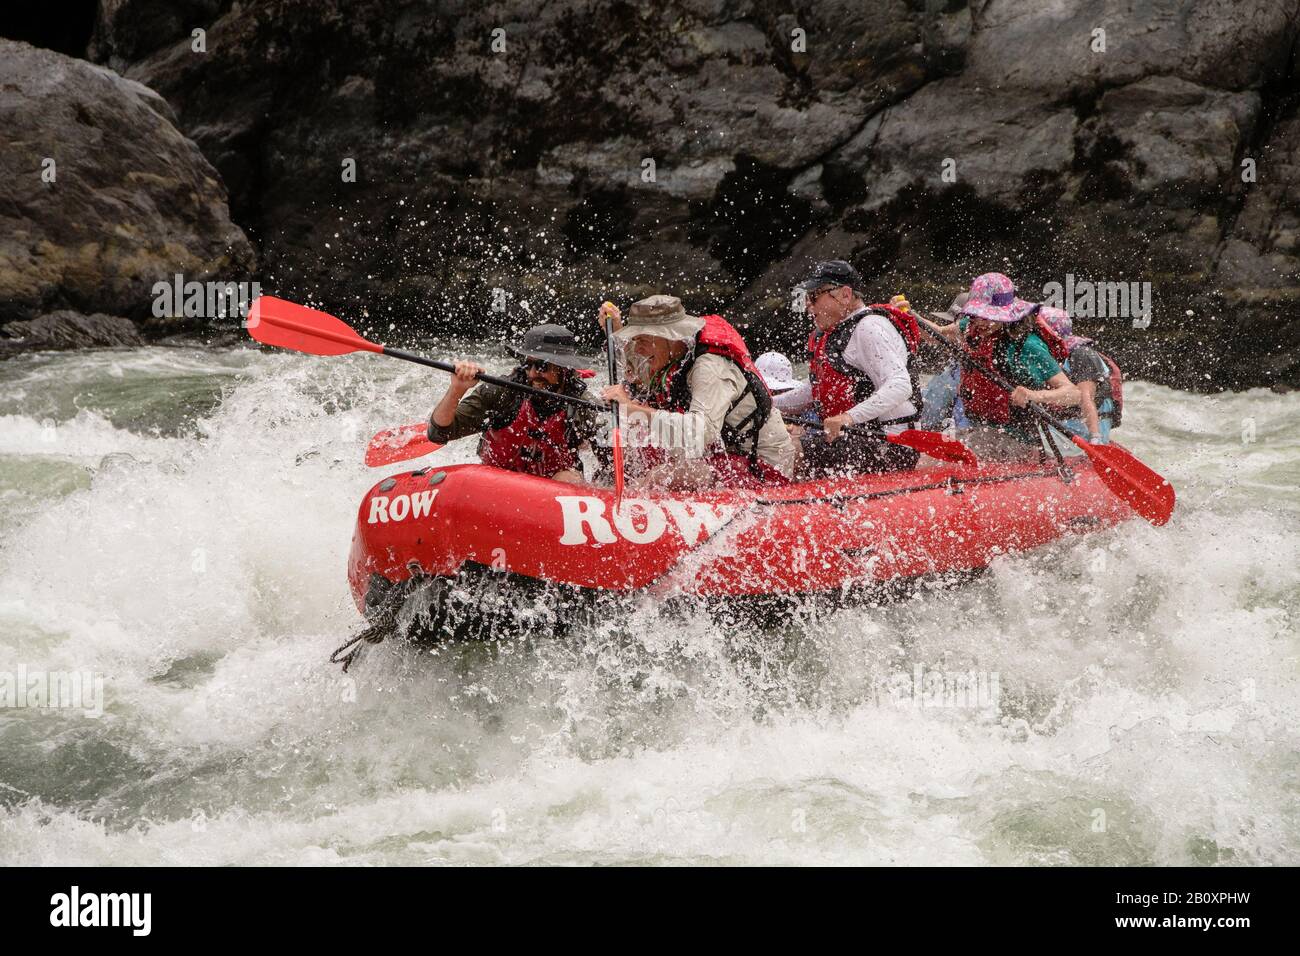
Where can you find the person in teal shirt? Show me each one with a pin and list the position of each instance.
(1003, 327)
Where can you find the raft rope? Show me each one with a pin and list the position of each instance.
(356, 645)
(372, 634)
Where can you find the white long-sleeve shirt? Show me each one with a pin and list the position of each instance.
(876, 348)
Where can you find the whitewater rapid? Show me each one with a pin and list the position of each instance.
(176, 522)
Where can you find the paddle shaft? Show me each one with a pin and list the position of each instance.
(354, 341)
(611, 358)
(493, 379)
(862, 430)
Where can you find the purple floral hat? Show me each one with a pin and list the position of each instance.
(1059, 321)
(993, 297)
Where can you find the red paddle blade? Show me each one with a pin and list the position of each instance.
(286, 325)
(400, 444)
(935, 445)
(1146, 492)
(618, 467)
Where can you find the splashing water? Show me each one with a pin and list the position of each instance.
(176, 522)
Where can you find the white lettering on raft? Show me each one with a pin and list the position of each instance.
(398, 508)
(638, 520)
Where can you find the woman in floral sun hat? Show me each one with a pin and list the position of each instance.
(1003, 333)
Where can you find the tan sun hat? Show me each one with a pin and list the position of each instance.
(662, 316)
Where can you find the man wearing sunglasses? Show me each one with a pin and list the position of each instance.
(860, 378)
(522, 432)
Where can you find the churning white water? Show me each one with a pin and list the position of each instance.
(175, 523)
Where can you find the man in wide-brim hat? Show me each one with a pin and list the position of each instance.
(707, 414)
(523, 432)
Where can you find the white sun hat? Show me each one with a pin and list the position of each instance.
(777, 372)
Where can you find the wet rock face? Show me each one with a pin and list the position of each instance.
(125, 30)
(571, 150)
(100, 195)
(601, 147)
(68, 330)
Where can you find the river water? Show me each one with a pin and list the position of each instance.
(174, 523)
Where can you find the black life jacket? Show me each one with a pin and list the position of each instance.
(838, 385)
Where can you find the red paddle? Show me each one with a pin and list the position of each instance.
(400, 444)
(935, 445)
(1145, 491)
(931, 443)
(273, 321)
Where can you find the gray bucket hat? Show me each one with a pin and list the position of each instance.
(662, 316)
(954, 310)
(552, 344)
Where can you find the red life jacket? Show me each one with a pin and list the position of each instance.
(529, 443)
(734, 460)
(982, 398)
(836, 385)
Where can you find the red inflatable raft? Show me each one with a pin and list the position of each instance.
(804, 539)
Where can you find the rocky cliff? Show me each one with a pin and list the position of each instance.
(102, 196)
(411, 157)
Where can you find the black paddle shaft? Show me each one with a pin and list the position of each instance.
(611, 358)
(968, 360)
(864, 430)
(497, 380)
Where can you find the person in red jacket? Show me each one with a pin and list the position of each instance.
(1007, 335)
(523, 432)
(707, 414)
(860, 377)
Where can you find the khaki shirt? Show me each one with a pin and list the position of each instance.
(715, 383)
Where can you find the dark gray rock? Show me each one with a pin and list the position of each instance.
(132, 200)
(127, 30)
(69, 330)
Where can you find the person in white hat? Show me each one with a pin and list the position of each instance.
(709, 413)
(777, 372)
